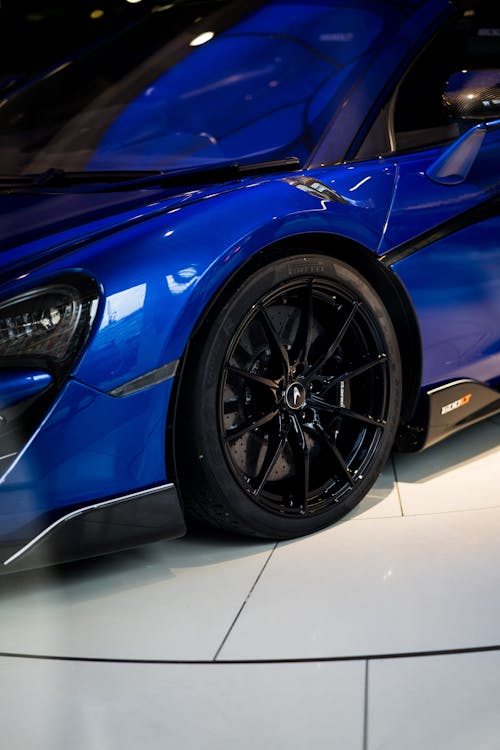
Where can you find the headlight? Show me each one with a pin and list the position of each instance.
(42, 332)
(48, 324)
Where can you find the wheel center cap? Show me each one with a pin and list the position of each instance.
(295, 396)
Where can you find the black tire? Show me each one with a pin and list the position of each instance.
(290, 401)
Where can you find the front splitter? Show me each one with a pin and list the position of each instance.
(108, 526)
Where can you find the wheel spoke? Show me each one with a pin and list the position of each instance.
(300, 451)
(305, 399)
(323, 405)
(276, 345)
(303, 338)
(331, 381)
(253, 377)
(318, 430)
(378, 423)
(237, 432)
(334, 345)
(274, 450)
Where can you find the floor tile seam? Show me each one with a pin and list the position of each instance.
(407, 514)
(256, 662)
(242, 607)
(366, 706)
(455, 511)
(396, 483)
(376, 518)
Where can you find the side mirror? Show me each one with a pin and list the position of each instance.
(473, 95)
(454, 165)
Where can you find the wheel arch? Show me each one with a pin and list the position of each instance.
(384, 281)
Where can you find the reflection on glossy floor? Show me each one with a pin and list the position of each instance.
(380, 632)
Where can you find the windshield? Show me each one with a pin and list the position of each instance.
(191, 84)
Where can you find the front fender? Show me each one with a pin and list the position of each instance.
(159, 275)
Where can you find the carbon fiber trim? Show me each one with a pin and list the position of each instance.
(145, 381)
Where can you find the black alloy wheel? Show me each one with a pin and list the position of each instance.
(294, 402)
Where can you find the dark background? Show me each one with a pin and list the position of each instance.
(36, 35)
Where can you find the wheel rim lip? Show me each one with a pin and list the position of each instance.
(322, 500)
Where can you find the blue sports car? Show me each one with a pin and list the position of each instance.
(247, 248)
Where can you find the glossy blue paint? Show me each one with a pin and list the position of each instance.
(285, 80)
(16, 385)
(159, 275)
(454, 285)
(455, 280)
(90, 446)
(420, 203)
(217, 237)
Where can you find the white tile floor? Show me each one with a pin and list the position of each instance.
(328, 641)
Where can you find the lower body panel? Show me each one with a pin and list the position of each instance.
(107, 526)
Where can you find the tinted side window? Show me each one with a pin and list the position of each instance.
(471, 43)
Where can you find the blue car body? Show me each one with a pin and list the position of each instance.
(151, 254)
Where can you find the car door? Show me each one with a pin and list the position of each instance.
(442, 235)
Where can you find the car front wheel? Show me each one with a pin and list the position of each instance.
(290, 402)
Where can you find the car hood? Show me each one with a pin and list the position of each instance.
(39, 223)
